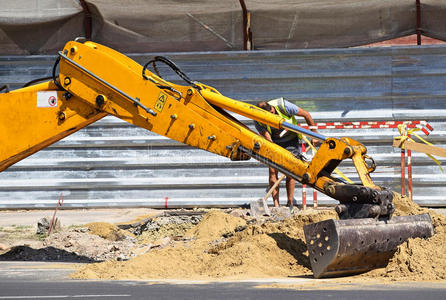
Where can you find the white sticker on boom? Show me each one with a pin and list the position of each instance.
(47, 99)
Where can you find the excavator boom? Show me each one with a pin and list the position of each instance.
(95, 81)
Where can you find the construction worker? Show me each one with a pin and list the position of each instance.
(290, 140)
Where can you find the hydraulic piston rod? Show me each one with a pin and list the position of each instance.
(304, 131)
(256, 113)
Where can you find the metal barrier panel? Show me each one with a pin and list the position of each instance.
(112, 163)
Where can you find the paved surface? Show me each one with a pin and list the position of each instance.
(74, 216)
(139, 290)
(38, 280)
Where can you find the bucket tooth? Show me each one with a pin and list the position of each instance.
(347, 247)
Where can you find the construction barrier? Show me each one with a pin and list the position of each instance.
(405, 130)
(424, 126)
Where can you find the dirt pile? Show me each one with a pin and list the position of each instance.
(215, 224)
(72, 245)
(91, 246)
(98, 241)
(417, 259)
(154, 229)
(273, 249)
(404, 206)
(108, 231)
(222, 245)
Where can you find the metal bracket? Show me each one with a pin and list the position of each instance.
(135, 101)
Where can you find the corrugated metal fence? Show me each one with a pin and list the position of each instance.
(112, 163)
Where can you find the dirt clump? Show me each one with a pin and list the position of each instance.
(174, 227)
(404, 206)
(271, 249)
(215, 224)
(108, 231)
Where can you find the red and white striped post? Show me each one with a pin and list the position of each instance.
(304, 188)
(409, 172)
(423, 125)
(53, 219)
(314, 198)
(403, 172)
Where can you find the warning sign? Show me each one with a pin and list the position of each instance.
(47, 99)
(162, 98)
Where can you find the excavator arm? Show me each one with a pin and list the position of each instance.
(95, 81)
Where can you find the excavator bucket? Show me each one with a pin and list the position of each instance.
(347, 247)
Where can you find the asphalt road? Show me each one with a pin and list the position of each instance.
(38, 280)
(141, 290)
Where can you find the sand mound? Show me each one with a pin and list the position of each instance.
(417, 259)
(167, 230)
(107, 231)
(267, 250)
(404, 206)
(214, 224)
(224, 246)
(172, 225)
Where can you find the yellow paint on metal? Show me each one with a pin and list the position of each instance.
(26, 128)
(242, 108)
(159, 104)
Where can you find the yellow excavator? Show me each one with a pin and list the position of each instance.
(91, 81)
